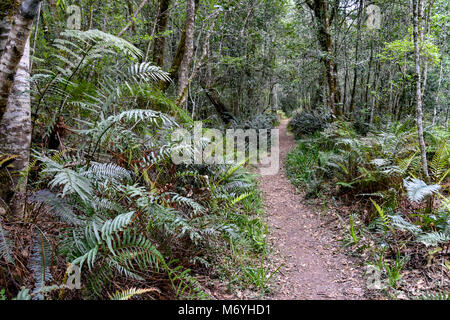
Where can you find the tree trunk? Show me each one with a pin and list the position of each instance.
(176, 62)
(188, 53)
(205, 51)
(14, 49)
(418, 34)
(131, 23)
(220, 107)
(436, 102)
(161, 25)
(355, 68)
(320, 8)
(375, 89)
(366, 98)
(344, 101)
(15, 136)
(5, 27)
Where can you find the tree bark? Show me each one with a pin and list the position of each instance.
(161, 25)
(418, 34)
(131, 23)
(320, 8)
(436, 102)
(188, 52)
(15, 137)
(14, 49)
(220, 107)
(355, 68)
(176, 62)
(198, 65)
(375, 89)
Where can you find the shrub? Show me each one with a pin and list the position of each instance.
(260, 121)
(306, 123)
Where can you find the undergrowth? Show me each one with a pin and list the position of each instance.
(396, 221)
(108, 201)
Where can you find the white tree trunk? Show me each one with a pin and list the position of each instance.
(15, 135)
(418, 34)
(5, 27)
(14, 49)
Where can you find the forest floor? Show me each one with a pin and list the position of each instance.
(305, 244)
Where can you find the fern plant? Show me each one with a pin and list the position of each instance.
(125, 207)
(130, 293)
(441, 295)
(6, 245)
(40, 262)
(418, 190)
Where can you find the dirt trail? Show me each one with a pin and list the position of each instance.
(313, 266)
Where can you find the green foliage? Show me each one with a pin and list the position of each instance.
(127, 212)
(383, 166)
(259, 122)
(40, 262)
(401, 51)
(353, 231)
(73, 182)
(106, 240)
(57, 206)
(394, 268)
(130, 293)
(306, 123)
(302, 167)
(435, 296)
(259, 276)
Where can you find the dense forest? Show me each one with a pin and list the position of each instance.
(351, 94)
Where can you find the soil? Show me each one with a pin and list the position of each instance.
(306, 246)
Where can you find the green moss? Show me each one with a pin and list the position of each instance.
(8, 7)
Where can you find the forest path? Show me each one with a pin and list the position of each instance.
(313, 268)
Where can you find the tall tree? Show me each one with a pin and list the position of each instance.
(15, 105)
(321, 11)
(15, 136)
(355, 67)
(160, 40)
(417, 7)
(188, 53)
(14, 48)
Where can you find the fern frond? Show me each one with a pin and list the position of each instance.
(102, 40)
(435, 296)
(440, 161)
(96, 235)
(433, 238)
(176, 198)
(6, 245)
(24, 294)
(103, 171)
(40, 261)
(146, 71)
(383, 216)
(130, 293)
(58, 207)
(144, 115)
(418, 190)
(241, 197)
(400, 223)
(70, 180)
